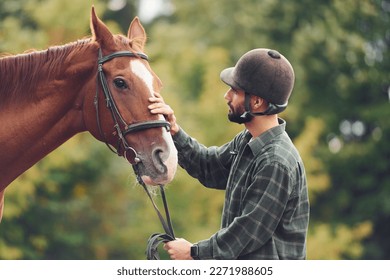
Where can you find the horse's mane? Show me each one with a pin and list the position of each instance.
(19, 73)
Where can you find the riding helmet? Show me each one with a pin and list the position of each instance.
(264, 73)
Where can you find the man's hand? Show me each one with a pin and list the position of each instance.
(158, 106)
(179, 249)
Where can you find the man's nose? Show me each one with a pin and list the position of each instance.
(227, 95)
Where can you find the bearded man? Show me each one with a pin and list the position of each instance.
(266, 208)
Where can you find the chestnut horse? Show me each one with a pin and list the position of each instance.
(101, 85)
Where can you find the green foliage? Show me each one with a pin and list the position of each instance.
(82, 202)
(337, 242)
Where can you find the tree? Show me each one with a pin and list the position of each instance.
(345, 61)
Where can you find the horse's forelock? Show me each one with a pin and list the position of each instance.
(135, 43)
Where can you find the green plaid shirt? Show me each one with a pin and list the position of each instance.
(266, 209)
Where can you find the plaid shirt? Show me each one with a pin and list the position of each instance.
(266, 209)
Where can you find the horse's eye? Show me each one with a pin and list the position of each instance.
(120, 83)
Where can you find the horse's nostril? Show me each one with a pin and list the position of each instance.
(158, 161)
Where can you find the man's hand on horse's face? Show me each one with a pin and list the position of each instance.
(158, 106)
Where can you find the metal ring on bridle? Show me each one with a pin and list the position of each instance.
(134, 159)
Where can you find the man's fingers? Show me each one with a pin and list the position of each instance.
(160, 108)
(157, 94)
(155, 100)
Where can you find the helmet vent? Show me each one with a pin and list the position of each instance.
(274, 54)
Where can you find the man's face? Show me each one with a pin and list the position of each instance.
(236, 101)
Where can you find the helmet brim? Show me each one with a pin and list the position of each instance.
(227, 77)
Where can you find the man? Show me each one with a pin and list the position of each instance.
(266, 209)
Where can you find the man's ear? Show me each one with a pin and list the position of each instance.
(257, 102)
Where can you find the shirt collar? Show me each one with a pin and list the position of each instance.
(258, 143)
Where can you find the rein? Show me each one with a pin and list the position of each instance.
(130, 153)
(157, 238)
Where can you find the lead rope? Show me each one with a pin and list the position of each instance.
(157, 238)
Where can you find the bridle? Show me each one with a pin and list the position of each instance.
(130, 153)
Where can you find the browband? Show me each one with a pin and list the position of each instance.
(120, 54)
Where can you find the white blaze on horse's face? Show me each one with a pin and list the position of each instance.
(140, 70)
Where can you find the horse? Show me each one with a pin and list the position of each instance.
(100, 84)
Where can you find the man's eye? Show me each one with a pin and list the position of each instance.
(120, 83)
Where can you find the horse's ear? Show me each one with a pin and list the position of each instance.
(100, 32)
(137, 34)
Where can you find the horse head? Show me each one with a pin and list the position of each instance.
(125, 82)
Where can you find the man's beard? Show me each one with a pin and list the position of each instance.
(239, 116)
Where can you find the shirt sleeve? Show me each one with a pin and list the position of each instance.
(210, 165)
(263, 204)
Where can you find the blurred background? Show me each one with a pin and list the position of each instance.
(83, 202)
